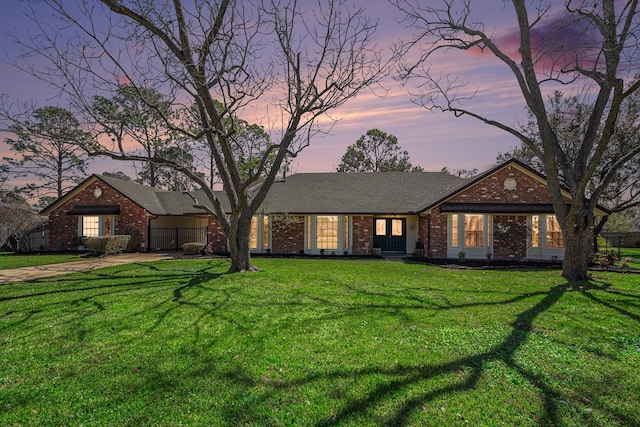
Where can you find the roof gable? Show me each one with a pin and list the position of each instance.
(519, 169)
(78, 188)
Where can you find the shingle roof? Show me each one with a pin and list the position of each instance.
(161, 202)
(353, 193)
(314, 193)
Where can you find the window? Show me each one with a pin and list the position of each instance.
(381, 227)
(346, 233)
(326, 232)
(259, 238)
(265, 231)
(253, 240)
(474, 230)
(554, 233)
(96, 225)
(535, 231)
(90, 226)
(396, 227)
(454, 230)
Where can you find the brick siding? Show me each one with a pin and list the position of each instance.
(287, 235)
(511, 242)
(132, 220)
(216, 236)
(490, 190)
(361, 234)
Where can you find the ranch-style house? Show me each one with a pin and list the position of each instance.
(504, 213)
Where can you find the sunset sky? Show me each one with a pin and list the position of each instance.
(433, 139)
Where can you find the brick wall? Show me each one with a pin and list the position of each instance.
(132, 220)
(361, 234)
(287, 235)
(489, 190)
(509, 237)
(216, 236)
(437, 246)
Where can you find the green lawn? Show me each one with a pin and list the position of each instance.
(319, 343)
(633, 253)
(10, 260)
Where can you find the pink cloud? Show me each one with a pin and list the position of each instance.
(559, 43)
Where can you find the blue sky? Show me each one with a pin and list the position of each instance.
(433, 139)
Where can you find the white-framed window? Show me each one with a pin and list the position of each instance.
(455, 241)
(96, 225)
(555, 239)
(469, 233)
(535, 231)
(328, 233)
(546, 239)
(259, 238)
(474, 231)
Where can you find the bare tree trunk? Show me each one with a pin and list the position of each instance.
(576, 256)
(239, 237)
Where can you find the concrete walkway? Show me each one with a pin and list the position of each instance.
(26, 274)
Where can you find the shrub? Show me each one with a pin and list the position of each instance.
(193, 248)
(606, 259)
(106, 245)
(134, 242)
(603, 243)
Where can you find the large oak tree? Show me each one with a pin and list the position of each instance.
(284, 61)
(586, 47)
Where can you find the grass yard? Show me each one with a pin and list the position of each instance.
(10, 260)
(319, 343)
(633, 253)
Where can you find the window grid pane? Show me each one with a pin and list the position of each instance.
(265, 231)
(473, 230)
(346, 233)
(253, 240)
(90, 226)
(396, 227)
(454, 230)
(554, 233)
(107, 226)
(327, 232)
(535, 231)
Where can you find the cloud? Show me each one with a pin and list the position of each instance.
(558, 43)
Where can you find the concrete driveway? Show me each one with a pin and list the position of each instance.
(26, 274)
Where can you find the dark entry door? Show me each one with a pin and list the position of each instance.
(390, 233)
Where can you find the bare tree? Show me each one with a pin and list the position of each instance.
(17, 219)
(568, 116)
(274, 58)
(599, 61)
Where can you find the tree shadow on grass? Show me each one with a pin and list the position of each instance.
(193, 290)
(401, 378)
(505, 352)
(80, 294)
